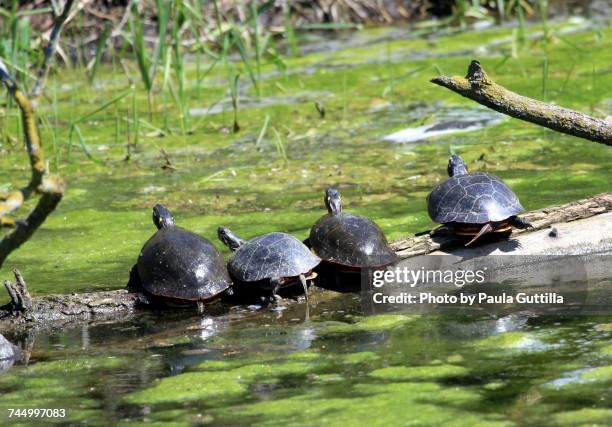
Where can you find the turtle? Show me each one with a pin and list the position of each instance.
(350, 241)
(8, 354)
(270, 261)
(7, 350)
(178, 266)
(474, 204)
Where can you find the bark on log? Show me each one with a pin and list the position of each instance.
(58, 308)
(23, 312)
(478, 87)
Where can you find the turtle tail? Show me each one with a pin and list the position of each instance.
(487, 228)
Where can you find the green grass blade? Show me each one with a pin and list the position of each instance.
(262, 132)
(100, 51)
(101, 108)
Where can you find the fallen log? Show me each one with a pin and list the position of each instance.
(571, 222)
(479, 87)
(58, 308)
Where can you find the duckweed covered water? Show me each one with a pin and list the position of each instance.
(341, 366)
(337, 368)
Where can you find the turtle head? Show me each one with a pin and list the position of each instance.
(230, 240)
(456, 166)
(162, 217)
(333, 201)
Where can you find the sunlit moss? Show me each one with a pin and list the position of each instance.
(192, 386)
(601, 374)
(67, 384)
(360, 357)
(584, 417)
(511, 341)
(391, 404)
(371, 323)
(402, 373)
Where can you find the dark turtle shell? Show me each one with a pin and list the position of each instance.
(474, 198)
(8, 354)
(178, 264)
(350, 240)
(7, 350)
(271, 256)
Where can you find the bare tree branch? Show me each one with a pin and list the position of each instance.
(50, 50)
(478, 87)
(50, 197)
(14, 199)
(51, 189)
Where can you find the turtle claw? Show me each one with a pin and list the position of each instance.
(274, 297)
(520, 223)
(200, 307)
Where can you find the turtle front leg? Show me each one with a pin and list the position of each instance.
(201, 307)
(441, 230)
(275, 284)
(305, 285)
(134, 284)
(520, 223)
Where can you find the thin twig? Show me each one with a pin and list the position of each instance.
(21, 301)
(478, 87)
(50, 50)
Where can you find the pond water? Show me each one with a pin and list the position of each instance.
(339, 365)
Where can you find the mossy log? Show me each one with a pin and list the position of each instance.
(56, 309)
(479, 87)
(24, 311)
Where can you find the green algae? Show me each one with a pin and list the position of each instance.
(398, 403)
(607, 350)
(602, 374)
(372, 323)
(67, 384)
(494, 385)
(209, 386)
(584, 417)
(411, 373)
(604, 327)
(360, 357)
(510, 341)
